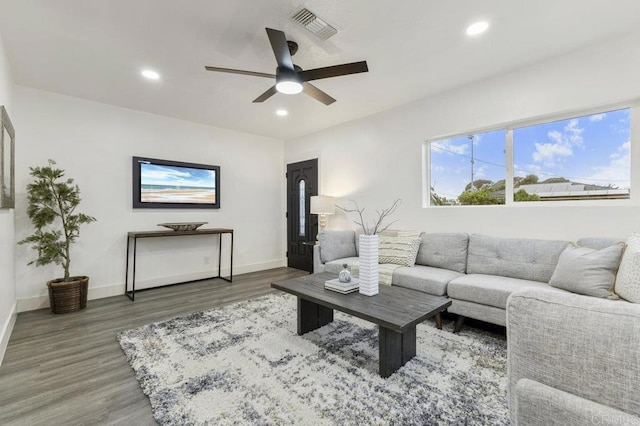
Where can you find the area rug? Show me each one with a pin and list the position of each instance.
(244, 364)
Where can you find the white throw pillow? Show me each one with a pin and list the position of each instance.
(588, 271)
(398, 250)
(628, 279)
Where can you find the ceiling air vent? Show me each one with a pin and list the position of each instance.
(309, 20)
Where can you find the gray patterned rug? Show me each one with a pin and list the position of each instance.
(244, 364)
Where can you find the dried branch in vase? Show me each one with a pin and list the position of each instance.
(377, 226)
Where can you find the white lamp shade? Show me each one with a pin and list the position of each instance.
(321, 204)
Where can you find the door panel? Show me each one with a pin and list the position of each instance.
(302, 227)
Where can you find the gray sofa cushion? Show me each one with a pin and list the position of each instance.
(336, 244)
(448, 251)
(491, 290)
(588, 271)
(335, 266)
(514, 257)
(424, 278)
(598, 242)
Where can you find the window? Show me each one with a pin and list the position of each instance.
(583, 158)
(577, 158)
(302, 209)
(468, 169)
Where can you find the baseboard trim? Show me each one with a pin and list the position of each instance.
(7, 329)
(42, 301)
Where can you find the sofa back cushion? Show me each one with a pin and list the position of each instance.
(598, 242)
(522, 258)
(446, 251)
(336, 244)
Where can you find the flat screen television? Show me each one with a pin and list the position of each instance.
(164, 184)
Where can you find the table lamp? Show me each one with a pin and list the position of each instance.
(323, 205)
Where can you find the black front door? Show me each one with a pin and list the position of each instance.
(302, 228)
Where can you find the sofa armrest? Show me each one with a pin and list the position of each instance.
(541, 405)
(318, 266)
(582, 345)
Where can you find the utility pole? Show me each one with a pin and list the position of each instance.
(473, 188)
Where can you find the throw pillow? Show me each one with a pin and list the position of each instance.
(588, 271)
(398, 250)
(628, 279)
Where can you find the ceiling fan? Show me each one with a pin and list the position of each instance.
(290, 78)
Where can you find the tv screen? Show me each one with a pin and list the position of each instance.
(174, 184)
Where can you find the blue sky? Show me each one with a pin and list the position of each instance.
(151, 174)
(592, 149)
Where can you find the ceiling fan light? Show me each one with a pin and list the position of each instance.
(289, 87)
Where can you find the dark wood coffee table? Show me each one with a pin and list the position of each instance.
(395, 310)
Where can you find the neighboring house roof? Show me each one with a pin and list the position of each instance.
(572, 190)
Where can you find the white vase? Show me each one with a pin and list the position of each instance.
(368, 264)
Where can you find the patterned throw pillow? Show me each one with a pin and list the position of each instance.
(628, 279)
(587, 271)
(398, 250)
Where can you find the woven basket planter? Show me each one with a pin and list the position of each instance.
(69, 296)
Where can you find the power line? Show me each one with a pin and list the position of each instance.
(525, 170)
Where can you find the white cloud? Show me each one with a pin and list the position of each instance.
(551, 153)
(480, 171)
(445, 146)
(617, 172)
(561, 145)
(527, 169)
(574, 133)
(597, 117)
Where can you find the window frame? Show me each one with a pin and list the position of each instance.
(634, 155)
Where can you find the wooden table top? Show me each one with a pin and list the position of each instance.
(171, 233)
(393, 307)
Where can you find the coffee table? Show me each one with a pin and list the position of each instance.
(395, 310)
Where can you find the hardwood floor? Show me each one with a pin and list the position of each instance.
(69, 369)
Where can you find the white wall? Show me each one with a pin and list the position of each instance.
(7, 229)
(94, 143)
(378, 158)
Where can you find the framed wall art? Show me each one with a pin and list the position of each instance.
(7, 161)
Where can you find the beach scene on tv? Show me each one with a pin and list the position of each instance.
(173, 184)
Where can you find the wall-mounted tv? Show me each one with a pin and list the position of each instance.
(164, 184)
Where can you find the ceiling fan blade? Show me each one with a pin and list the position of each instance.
(266, 95)
(232, 71)
(280, 48)
(334, 71)
(317, 94)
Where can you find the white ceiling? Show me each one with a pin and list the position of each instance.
(414, 48)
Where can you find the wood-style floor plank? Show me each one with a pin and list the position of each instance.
(69, 369)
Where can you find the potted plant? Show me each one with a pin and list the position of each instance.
(52, 203)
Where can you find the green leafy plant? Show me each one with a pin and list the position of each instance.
(479, 197)
(52, 204)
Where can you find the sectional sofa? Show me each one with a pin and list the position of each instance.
(478, 272)
(572, 359)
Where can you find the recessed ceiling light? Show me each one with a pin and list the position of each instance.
(477, 28)
(150, 74)
(282, 112)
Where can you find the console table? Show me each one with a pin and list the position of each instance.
(156, 234)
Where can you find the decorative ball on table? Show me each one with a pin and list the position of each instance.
(345, 275)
